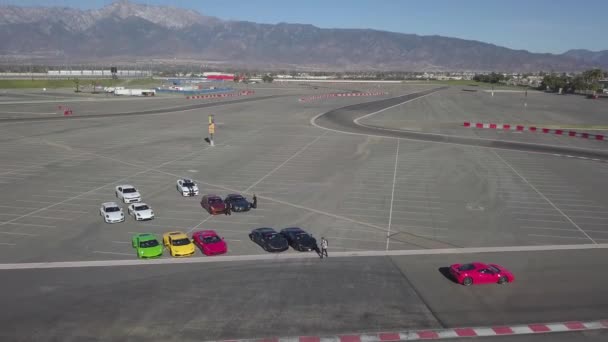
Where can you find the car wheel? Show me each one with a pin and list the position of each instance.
(467, 281)
(503, 280)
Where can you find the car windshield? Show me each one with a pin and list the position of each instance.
(128, 190)
(180, 242)
(467, 267)
(188, 185)
(149, 243)
(215, 201)
(301, 236)
(237, 198)
(112, 209)
(211, 239)
(493, 269)
(270, 236)
(141, 207)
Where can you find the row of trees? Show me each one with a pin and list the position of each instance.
(490, 78)
(587, 81)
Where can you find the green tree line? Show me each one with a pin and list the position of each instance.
(586, 81)
(489, 78)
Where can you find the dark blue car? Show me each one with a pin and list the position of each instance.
(237, 203)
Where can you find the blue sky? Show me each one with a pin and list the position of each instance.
(535, 25)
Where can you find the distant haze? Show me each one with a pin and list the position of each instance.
(126, 31)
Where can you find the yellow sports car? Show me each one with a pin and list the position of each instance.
(178, 244)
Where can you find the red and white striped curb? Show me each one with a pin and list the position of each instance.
(216, 96)
(65, 110)
(508, 127)
(439, 334)
(325, 96)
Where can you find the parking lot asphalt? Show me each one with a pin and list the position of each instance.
(445, 113)
(362, 192)
(354, 190)
(295, 298)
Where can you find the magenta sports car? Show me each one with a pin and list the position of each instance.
(480, 273)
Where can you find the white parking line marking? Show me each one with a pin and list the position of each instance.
(236, 222)
(31, 201)
(288, 256)
(68, 211)
(547, 221)
(273, 201)
(590, 217)
(175, 218)
(30, 225)
(285, 162)
(543, 196)
(104, 186)
(559, 236)
(587, 211)
(8, 244)
(53, 218)
(13, 207)
(363, 240)
(48, 196)
(20, 234)
(549, 228)
(598, 231)
(115, 253)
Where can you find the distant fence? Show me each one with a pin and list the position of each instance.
(194, 91)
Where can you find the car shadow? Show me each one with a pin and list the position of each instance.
(445, 271)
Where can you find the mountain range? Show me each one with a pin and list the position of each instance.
(124, 31)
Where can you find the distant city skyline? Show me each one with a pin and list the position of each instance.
(543, 26)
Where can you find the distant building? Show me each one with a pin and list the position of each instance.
(98, 73)
(218, 76)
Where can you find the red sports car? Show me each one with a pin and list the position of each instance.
(209, 242)
(213, 204)
(480, 273)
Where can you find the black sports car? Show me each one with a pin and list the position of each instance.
(269, 239)
(299, 240)
(237, 202)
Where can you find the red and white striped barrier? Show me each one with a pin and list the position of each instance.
(325, 96)
(508, 127)
(67, 111)
(439, 334)
(217, 96)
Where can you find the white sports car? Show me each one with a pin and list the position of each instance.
(140, 211)
(187, 187)
(111, 212)
(128, 193)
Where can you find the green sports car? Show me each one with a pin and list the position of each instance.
(147, 246)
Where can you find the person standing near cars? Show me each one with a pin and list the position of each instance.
(254, 205)
(324, 245)
(228, 210)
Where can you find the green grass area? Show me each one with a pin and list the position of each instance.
(84, 83)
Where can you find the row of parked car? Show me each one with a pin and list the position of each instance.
(178, 244)
(210, 243)
(213, 204)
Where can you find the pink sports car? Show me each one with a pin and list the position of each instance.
(480, 273)
(209, 242)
